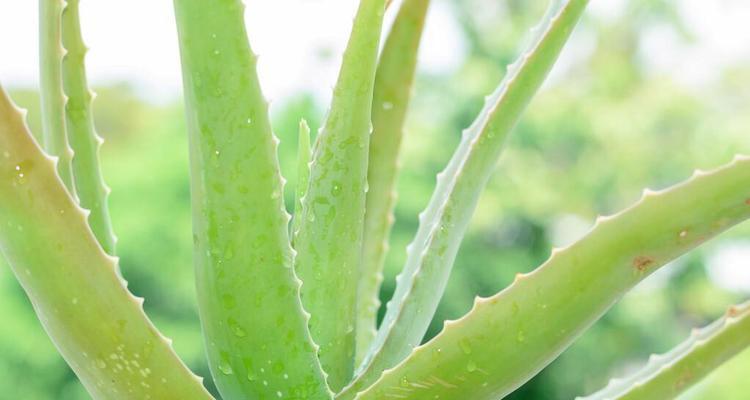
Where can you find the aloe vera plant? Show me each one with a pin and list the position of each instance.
(288, 304)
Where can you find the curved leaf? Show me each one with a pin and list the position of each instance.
(329, 241)
(393, 87)
(97, 325)
(303, 173)
(87, 176)
(254, 326)
(442, 225)
(508, 338)
(51, 93)
(668, 375)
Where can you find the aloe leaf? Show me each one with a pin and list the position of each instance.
(508, 338)
(90, 188)
(256, 332)
(53, 100)
(329, 242)
(668, 375)
(442, 225)
(392, 92)
(97, 325)
(303, 173)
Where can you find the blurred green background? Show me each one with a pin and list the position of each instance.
(607, 124)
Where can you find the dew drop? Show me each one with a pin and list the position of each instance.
(21, 172)
(336, 189)
(229, 251)
(225, 368)
(228, 301)
(236, 328)
(465, 346)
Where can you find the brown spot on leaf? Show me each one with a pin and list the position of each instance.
(747, 201)
(683, 380)
(641, 263)
(733, 312)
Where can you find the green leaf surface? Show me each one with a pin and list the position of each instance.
(667, 376)
(304, 154)
(51, 93)
(87, 176)
(256, 331)
(393, 86)
(97, 325)
(508, 338)
(329, 242)
(442, 225)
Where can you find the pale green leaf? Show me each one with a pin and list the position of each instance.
(97, 325)
(668, 375)
(87, 176)
(329, 241)
(51, 88)
(393, 87)
(442, 225)
(256, 331)
(508, 338)
(303, 173)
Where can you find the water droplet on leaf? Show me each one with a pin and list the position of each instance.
(465, 346)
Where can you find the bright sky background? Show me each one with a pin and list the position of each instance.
(135, 41)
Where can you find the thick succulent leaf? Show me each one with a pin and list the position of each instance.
(303, 173)
(329, 241)
(667, 376)
(393, 87)
(51, 93)
(508, 338)
(97, 325)
(90, 188)
(256, 332)
(442, 225)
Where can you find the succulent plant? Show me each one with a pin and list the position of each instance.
(288, 304)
